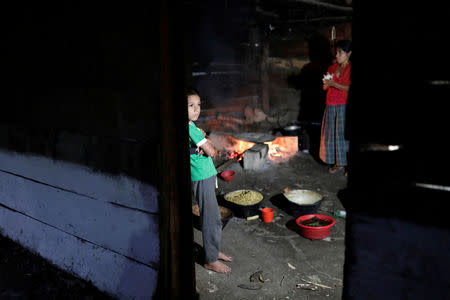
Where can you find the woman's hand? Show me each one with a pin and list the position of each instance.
(328, 82)
(332, 83)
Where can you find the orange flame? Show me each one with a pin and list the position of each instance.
(234, 155)
(241, 146)
(238, 148)
(282, 148)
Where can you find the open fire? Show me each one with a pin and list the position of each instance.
(280, 149)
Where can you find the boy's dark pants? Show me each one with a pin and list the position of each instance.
(211, 222)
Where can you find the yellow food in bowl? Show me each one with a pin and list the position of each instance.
(244, 197)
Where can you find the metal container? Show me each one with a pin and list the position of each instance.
(242, 211)
(300, 132)
(292, 130)
(302, 202)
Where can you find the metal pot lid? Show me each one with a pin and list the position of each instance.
(292, 127)
(254, 137)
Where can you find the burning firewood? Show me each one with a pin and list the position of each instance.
(235, 158)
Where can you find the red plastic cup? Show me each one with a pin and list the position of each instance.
(267, 214)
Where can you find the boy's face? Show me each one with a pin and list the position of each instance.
(193, 107)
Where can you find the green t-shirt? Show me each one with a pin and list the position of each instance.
(202, 166)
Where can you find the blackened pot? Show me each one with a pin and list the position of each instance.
(302, 202)
(292, 130)
(297, 210)
(242, 211)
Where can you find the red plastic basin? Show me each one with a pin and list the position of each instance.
(315, 233)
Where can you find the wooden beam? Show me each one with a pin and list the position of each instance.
(310, 20)
(176, 273)
(265, 80)
(325, 4)
(226, 164)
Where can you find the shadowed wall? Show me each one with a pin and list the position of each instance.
(79, 136)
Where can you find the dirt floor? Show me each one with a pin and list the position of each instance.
(286, 259)
(26, 275)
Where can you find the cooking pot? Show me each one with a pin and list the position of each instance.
(242, 210)
(292, 130)
(302, 202)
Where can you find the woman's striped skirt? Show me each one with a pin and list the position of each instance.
(333, 146)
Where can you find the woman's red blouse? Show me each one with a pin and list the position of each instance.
(334, 95)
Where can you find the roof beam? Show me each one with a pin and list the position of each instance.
(325, 4)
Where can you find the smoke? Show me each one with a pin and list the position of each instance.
(217, 52)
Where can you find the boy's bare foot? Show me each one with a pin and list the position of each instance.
(218, 267)
(225, 257)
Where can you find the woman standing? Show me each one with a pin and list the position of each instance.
(333, 146)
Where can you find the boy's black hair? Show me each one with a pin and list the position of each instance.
(191, 91)
(345, 45)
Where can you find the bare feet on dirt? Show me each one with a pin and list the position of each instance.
(218, 267)
(334, 169)
(225, 257)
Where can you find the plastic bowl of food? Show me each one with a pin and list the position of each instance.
(227, 175)
(315, 226)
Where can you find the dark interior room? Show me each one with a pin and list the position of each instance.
(96, 186)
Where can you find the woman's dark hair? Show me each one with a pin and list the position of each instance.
(345, 45)
(190, 91)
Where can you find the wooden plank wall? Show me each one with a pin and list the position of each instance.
(100, 227)
(90, 132)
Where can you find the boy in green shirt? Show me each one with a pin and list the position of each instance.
(203, 176)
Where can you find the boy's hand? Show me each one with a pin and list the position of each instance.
(203, 132)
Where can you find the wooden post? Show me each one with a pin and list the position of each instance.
(265, 79)
(176, 272)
